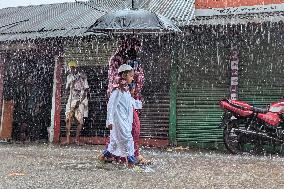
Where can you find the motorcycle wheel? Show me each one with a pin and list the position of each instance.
(240, 143)
(231, 139)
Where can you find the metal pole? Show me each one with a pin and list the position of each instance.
(173, 93)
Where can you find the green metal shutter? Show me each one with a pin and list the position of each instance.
(261, 76)
(203, 79)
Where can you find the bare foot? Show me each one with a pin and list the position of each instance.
(66, 142)
(130, 165)
(77, 142)
(143, 161)
(101, 157)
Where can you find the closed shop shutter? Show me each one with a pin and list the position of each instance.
(155, 113)
(261, 78)
(203, 79)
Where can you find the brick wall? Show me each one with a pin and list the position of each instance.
(205, 4)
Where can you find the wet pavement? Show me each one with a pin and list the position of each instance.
(49, 166)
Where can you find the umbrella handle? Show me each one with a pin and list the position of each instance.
(132, 5)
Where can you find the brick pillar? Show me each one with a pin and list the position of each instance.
(54, 129)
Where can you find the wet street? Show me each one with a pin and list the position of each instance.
(48, 166)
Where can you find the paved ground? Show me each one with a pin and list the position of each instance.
(48, 166)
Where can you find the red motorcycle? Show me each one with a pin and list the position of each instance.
(246, 129)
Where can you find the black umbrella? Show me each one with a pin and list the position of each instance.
(128, 20)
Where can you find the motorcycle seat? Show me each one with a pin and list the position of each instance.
(259, 110)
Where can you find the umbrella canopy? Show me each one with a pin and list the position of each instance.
(134, 19)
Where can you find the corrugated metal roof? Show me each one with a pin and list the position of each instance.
(179, 11)
(47, 18)
(73, 19)
(45, 34)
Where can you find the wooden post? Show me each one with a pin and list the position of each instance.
(6, 108)
(54, 129)
(173, 95)
(2, 62)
